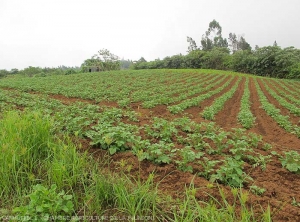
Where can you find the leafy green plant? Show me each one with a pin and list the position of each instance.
(208, 167)
(291, 161)
(45, 203)
(196, 141)
(295, 202)
(220, 140)
(254, 139)
(231, 173)
(187, 156)
(261, 161)
(161, 129)
(113, 138)
(210, 111)
(159, 152)
(238, 134)
(239, 148)
(257, 190)
(267, 146)
(245, 116)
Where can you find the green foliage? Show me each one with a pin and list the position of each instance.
(291, 161)
(25, 142)
(295, 203)
(218, 104)
(294, 72)
(3, 73)
(159, 152)
(161, 129)
(104, 60)
(113, 138)
(210, 41)
(257, 190)
(208, 167)
(245, 116)
(187, 156)
(231, 173)
(44, 204)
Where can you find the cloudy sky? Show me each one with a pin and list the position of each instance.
(49, 33)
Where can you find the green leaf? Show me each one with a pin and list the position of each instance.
(112, 150)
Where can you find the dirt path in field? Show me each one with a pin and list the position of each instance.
(227, 117)
(267, 127)
(284, 111)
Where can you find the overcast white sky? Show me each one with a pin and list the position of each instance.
(49, 33)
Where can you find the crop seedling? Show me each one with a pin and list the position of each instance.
(113, 138)
(161, 129)
(187, 156)
(291, 161)
(261, 161)
(231, 173)
(295, 203)
(254, 139)
(45, 203)
(239, 148)
(159, 152)
(257, 190)
(208, 167)
(220, 141)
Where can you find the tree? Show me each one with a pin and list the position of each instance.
(14, 71)
(213, 37)
(142, 59)
(105, 60)
(3, 73)
(31, 71)
(233, 42)
(238, 43)
(243, 44)
(192, 44)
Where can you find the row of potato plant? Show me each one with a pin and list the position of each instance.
(181, 94)
(291, 95)
(218, 104)
(283, 102)
(181, 142)
(275, 113)
(195, 101)
(245, 116)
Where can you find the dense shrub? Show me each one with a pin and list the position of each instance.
(269, 61)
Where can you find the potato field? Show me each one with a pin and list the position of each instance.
(209, 129)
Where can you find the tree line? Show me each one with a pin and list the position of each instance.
(104, 60)
(233, 54)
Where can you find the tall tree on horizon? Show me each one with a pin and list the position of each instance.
(192, 44)
(213, 37)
